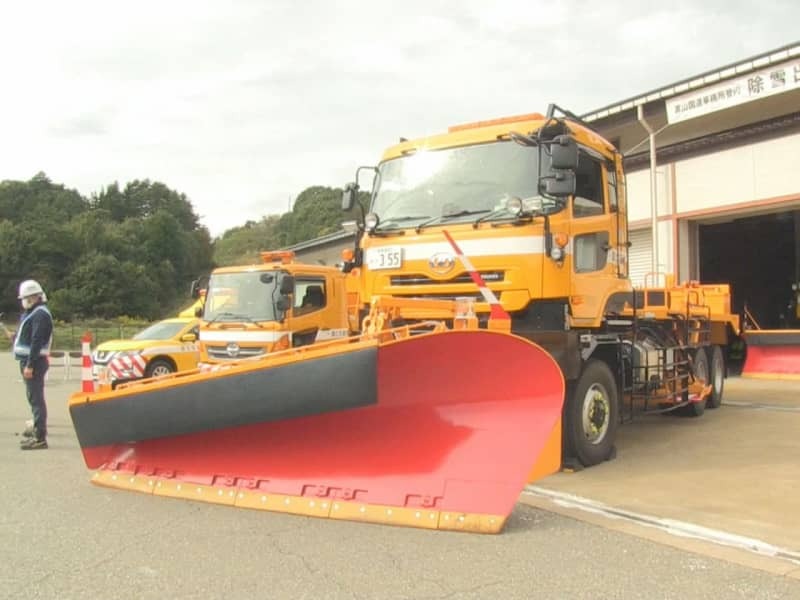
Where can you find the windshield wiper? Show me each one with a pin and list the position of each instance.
(394, 220)
(442, 218)
(218, 316)
(233, 317)
(491, 215)
(399, 220)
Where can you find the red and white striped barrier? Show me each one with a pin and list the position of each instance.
(87, 380)
(127, 367)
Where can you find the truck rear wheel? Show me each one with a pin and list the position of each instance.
(702, 373)
(592, 415)
(717, 376)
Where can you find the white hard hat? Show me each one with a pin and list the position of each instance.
(29, 287)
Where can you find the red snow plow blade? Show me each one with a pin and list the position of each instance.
(772, 354)
(438, 430)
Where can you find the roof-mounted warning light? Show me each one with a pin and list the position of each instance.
(282, 256)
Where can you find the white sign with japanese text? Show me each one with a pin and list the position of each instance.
(773, 80)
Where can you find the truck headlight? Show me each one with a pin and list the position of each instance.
(514, 206)
(371, 221)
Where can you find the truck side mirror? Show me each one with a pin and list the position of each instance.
(287, 285)
(564, 153)
(198, 286)
(283, 304)
(349, 195)
(559, 185)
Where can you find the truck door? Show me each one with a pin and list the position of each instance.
(317, 314)
(595, 239)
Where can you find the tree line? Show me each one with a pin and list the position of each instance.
(315, 212)
(131, 250)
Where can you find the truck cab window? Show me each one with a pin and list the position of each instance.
(611, 177)
(309, 295)
(588, 200)
(591, 252)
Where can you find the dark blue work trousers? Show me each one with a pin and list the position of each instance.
(34, 389)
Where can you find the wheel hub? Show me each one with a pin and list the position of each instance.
(596, 412)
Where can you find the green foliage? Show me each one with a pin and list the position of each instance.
(241, 245)
(131, 251)
(317, 211)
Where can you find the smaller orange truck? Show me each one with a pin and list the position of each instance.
(253, 310)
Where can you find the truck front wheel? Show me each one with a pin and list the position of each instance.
(592, 415)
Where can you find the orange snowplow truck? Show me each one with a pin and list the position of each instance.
(251, 311)
(536, 205)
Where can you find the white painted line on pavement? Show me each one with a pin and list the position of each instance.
(761, 406)
(671, 526)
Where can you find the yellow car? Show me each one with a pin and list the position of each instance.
(164, 347)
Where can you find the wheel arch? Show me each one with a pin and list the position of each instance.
(163, 358)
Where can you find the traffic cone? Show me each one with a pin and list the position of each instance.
(87, 381)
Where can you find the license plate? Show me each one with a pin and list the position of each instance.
(390, 257)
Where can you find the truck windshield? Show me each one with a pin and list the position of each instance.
(455, 184)
(246, 296)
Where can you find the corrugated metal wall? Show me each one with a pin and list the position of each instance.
(639, 254)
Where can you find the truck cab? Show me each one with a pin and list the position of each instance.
(253, 310)
(556, 259)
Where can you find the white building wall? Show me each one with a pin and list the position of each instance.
(757, 171)
(775, 167)
(638, 187)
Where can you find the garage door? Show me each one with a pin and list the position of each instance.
(639, 254)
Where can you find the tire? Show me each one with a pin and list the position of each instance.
(592, 415)
(158, 367)
(716, 360)
(702, 372)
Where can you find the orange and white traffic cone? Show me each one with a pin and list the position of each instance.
(87, 380)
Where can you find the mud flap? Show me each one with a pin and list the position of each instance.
(437, 431)
(772, 354)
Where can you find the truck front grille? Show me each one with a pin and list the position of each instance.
(221, 352)
(422, 279)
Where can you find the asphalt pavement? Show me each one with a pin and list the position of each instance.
(64, 538)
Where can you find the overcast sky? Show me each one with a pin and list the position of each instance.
(242, 104)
